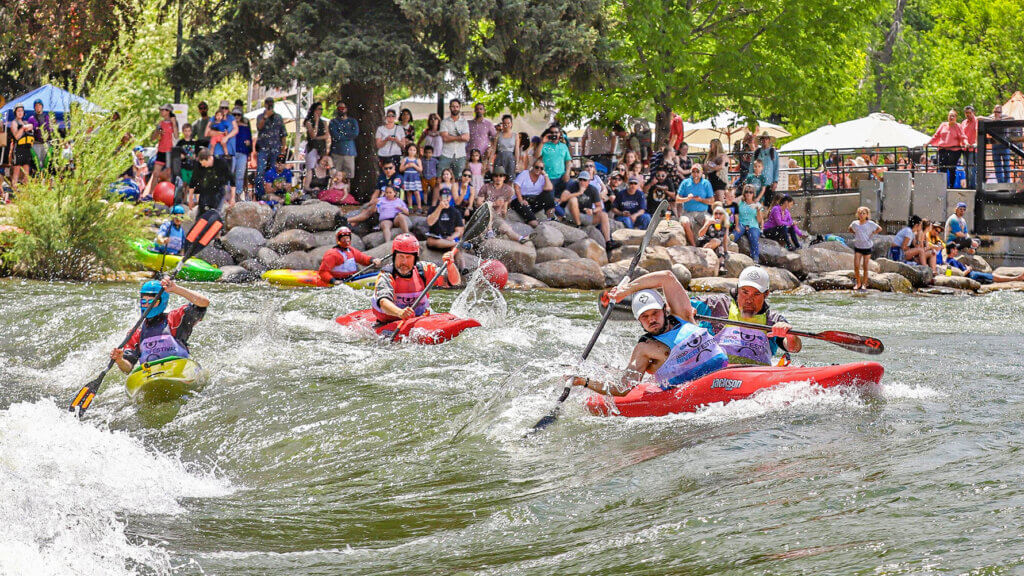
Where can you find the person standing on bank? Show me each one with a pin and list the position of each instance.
(970, 129)
(454, 134)
(343, 131)
(863, 229)
(950, 140)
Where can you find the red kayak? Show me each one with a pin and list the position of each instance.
(428, 329)
(728, 384)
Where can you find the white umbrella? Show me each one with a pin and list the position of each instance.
(286, 108)
(876, 130)
(729, 126)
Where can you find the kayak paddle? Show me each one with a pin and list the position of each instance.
(364, 269)
(655, 220)
(204, 231)
(848, 340)
(479, 223)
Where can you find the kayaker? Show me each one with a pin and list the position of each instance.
(162, 334)
(749, 303)
(400, 283)
(343, 260)
(170, 239)
(674, 348)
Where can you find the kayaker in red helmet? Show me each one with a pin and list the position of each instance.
(343, 260)
(400, 283)
(674, 348)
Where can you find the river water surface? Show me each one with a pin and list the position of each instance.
(315, 451)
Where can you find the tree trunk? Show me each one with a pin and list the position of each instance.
(881, 59)
(365, 104)
(662, 122)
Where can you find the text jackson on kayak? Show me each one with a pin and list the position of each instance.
(400, 283)
(676, 350)
(162, 334)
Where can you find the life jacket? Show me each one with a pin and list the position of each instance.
(156, 341)
(745, 345)
(175, 241)
(348, 267)
(693, 352)
(406, 290)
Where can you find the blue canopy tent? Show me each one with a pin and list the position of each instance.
(55, 101)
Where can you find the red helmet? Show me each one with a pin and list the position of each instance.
(406, 244)
(343, 231)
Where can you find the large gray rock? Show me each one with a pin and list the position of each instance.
(816, 260)
(517, 281)
(519, 227)
(831, 281)
(958, 282)
(976, 262)
(249, 215)
(668, 233)
(1015, 286)
(236, 275)
(292, 241)
(569, 233)
(317, 254)
(255, 266)
(554, 253)
(1010, 271)
(889, 282)
(298, 261)
(773, 254)
(629, 236)
(596, 235)
(781, 279)
(880, 245)
(582, 273)
(682, 273)
(701, 262)
(374, 239)
(243, 242)
(515, 256)
(547, 235)
(614, 272)
(216, 256)
(622, 253)
(656, 258)
(588, 248)
(269, 257)
(713, 284)
(834, 245)
(918, 275)
(735, 264)
(311, 216)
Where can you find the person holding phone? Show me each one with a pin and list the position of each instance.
(445, 222)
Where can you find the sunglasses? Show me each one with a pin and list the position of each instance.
(389, 168)
(538, 167)
(467, 175)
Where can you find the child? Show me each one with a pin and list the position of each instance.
(429, 175)
(476, 167)
(411, 170)
(757, 179)
(338, 190)
(189, 147)
(218, 129)
(863, 229)
(140, 168)
(392, 210)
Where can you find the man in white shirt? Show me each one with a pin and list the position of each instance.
(454, 133)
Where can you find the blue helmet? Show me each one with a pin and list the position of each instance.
(152, 288)
(177, 210)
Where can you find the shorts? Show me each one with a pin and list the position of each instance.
(186, 176)
(864, 251)
(163, 158)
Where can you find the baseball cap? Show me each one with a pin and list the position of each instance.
(634, 180)
(962, 205)
(167, 107)
(498, 171)
(237, 110)
(754, 276)
(645, 300)
(584, 175)
(224, 104)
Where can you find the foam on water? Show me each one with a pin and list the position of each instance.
(65, 485)
(480, 300)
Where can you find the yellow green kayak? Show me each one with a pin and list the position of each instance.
(195, 269)
(162, 380)
(311, 278)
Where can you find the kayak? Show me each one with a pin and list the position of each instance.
(311, 278)
(427, 329)
(728, 384)
(195, 269)
(165, 379)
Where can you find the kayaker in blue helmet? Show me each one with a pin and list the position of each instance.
(674, 348)
(749, 303)
(170, 239)
(162, 334)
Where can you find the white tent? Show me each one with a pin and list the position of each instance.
(728, 127)
(533, 122)
(876, 130)
(286, 108)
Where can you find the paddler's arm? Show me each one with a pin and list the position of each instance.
(384, 295)
(638, 364)
(790, 342)
(117, 355)
(453, 277)
(392, 309)
(675, 295)
(193, 297)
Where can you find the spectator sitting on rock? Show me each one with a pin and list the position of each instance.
(953, 250)
(956, 229)
(780, 225)
(582, 200)
(714, 234)
(319, 178)
(277, 181)
(905, 247)
(537, 190)
(500, 193)
(463, 194)
(445, 222)
(392, 211)
(386, 178)
(631, 206)
(930, 252)
(935, 242)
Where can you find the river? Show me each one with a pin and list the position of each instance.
(314, 451)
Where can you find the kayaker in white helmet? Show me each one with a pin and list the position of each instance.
(748, 303)
(674, 348)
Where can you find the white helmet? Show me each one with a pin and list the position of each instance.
(645, 300)
(754, 276)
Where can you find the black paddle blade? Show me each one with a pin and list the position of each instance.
(855, 342)
(545, 421)
(478, 223)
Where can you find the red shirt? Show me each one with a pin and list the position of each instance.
(970, 128)
(676, 129)
(949, 137)
(334, 257)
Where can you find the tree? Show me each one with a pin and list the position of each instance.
(374, 45)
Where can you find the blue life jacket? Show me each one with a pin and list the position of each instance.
(693, 352)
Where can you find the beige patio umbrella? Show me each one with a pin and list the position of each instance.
(1014, 107)
(730, 127)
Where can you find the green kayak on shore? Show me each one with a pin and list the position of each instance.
(195, 269)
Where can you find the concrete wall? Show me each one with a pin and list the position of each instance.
(897, 194)
(930, 197)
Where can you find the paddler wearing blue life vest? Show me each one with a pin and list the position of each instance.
(749, 303)
(170, 238)
(162, 334)
(400, 283)
(674, 349)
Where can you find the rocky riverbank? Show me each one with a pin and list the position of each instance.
(557, 255)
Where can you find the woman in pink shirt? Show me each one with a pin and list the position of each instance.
(950, 140)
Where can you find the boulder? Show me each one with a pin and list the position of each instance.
(832, 281)
(682, 273)
(374, 239)
(546, 235)
(1015, 286)
(569, 233)
(701, 262)
(582, 273)
(881, 243)
(802, 290)
(773, 254)
(816, 260)
(269, 257)
(317, 254)
(298, 261)
(834, 245)
(216, 256)
(614, 272)
(554, 253)
(712, 284)
(520, 228)
(235, 275)
(937, 291)
(889, 282)
(249, 215)
(596, 235)
(292, 241)
(918, 275)
(735, 264)
(588, 248)
(629, 236)
(781, 279)
(668, 233)
(312, 216)
(379, 251)
(517, 281)
(622, 253)
(958, 282)
(656, 258)
(515, 256)
(243, 242)
(431, 255)
(255, 266)
(976, 262)
(1011, 271)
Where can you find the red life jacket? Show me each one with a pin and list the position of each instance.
(406, 290)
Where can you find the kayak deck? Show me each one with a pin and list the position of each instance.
(427, 329)
(728, 384)
(290, 278)
(163, 380)
(195, 269)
